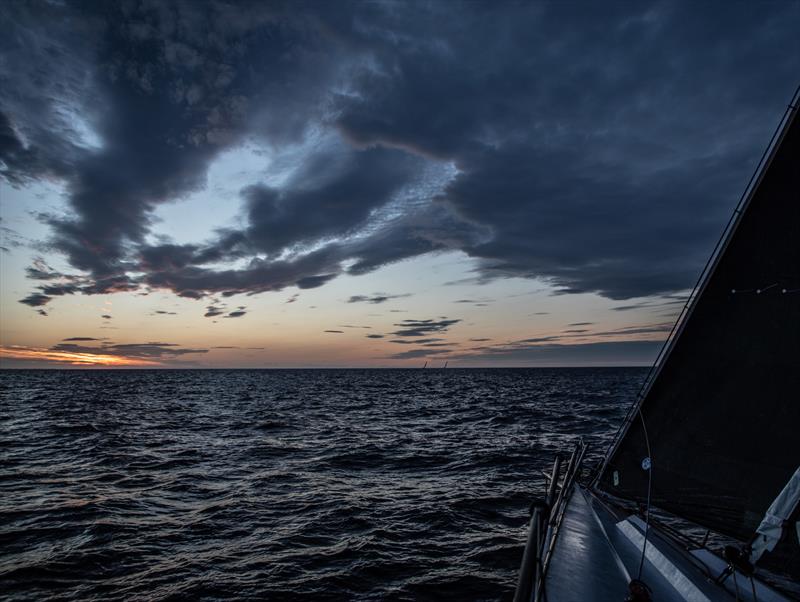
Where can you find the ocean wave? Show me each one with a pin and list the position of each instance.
(284, 485)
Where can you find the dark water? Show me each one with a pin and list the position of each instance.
(281, 485)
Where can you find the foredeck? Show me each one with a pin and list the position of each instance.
(597, 552)
(583, 566)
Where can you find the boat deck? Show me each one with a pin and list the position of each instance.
(597, 552)
(583, 566)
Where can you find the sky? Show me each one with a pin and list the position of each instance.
(371, 184)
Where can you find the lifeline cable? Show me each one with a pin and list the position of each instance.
(753, 587)
(649, 489)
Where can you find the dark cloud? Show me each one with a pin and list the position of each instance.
(313, 281)
(664, 328)
(36, 300)
(628, 307)
(599, 160)
(139, 350)
(623, 346)
(618, 353)
(57, 290)
(415, 341)
(259, 276)
(417, 353)
(480, 339)
(293, 298)
(106, 316)
(375, 336)
(484, 303)
(398, 239)
(335, 193)
(41, 270)
(581, 324)
(213, 311)
(237, 313)
(162, 312)
(175, 89)
(377, 298)
(59, 284)
(420, 328)
(334, 331)
(42, 312)
(580, 334)
(577, 171)
(668, 301)
(82, 339)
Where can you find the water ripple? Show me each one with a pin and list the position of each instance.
(283, 485)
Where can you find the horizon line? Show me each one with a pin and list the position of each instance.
(190, 368)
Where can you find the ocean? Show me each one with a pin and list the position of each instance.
(284, 484)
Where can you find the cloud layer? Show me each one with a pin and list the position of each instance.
(597, 149)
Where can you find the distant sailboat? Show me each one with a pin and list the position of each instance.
(425, 366)
(445, 366)
(711, 439)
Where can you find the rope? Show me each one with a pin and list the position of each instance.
(649, 490)
(542, 583)
(753, 587)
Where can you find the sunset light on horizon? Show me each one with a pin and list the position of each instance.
(79, 359)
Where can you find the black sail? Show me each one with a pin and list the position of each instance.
(723, 411)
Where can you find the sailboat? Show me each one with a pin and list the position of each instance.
(698, 497)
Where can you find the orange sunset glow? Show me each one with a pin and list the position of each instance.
(13, 352)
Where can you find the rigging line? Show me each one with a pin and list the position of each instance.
(676, 538)
(649, 489)
(753, 587)
(757, 291)
(542, 585)
(709, 265)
